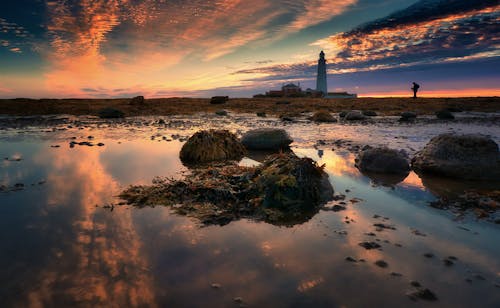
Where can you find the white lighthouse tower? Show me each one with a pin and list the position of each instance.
(321, 78)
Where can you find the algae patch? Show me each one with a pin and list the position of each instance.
(284, 190)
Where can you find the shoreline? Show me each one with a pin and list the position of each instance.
(271, 106)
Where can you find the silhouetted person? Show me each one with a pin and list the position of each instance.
(415, 88)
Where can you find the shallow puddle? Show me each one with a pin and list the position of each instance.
(64, 241)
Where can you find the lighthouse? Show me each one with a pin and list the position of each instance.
(321, 78)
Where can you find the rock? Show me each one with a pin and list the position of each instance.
(381, 263)
(424, 294)
(369, 245)
(408, 116)
(266, 139)
(211, 145)
(473, 157)
(288, 182)
(445, 115)
(369, 113)
(221, 112)
(354, 115)
(110, 113)
(382, 160)
(261, 114)
(138, 100)
(216, 100)
(350, 259)
(323, 116)
(342, 114)
(282, 103)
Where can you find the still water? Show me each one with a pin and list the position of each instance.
(63, 244)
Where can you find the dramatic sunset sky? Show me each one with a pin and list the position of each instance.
(161, 48)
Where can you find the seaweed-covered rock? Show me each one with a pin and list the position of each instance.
(354, 115)
(138, 100)
(111, 113)
(211, 145)
(322, 116)
(287, 181)
(284, 190)
(445, 115)
(266, 139)
(473, 157)
(382, 160)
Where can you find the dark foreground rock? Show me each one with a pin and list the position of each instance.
(445, 114)
(211, 145)
(473, 157)
(382, 160)
(266, 139)
(216, 100)
(285, 189)
(111, 113)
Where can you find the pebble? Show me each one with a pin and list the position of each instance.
(369, 245)
(424, 294)
(215, 285)
(350, 259)
(381, 263)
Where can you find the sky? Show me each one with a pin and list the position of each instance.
(200, 48)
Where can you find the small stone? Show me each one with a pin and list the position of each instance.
(100, 144)
(416, 284)
(428, 255)
(350, 259)
(394, 274)
(448, 262)
(381, 263)
(369, 245)
(238, 300)
(424, 294)
(215, 286)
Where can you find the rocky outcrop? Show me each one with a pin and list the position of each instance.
(322, 116)
(383, 160)
(266, 139)
(211, 145)
(474, 157)
(354, 115)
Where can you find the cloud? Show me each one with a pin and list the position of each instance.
(428, 32)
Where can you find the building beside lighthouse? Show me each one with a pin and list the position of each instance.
(321, 85)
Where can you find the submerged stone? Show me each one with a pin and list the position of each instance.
(382, 160)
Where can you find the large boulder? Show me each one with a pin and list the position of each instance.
(355, 115)
(110, 113)
(323, 116)
(266, 139)
(474, 157)
(211, 145)
(383, 160)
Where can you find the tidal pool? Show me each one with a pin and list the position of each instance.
(64, 240)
